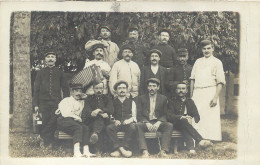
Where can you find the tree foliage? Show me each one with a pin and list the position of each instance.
(67, 33)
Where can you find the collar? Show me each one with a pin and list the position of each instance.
(121, 99)
(154, 96)
(182, 99)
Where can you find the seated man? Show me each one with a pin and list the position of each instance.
(151, 116)
(96, 112)
(180, 111)
(70, 122)
(124, 119)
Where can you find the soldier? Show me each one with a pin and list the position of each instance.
(98, 107)
(180, 73)
(48, 84)
(180, 112)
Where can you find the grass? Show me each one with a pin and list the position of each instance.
(27, 145)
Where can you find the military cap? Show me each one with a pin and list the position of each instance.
(132, 28)
(155, 51)
(106, 27)
(182, 52)
(50, 52)
(154, 80)
(120, 82)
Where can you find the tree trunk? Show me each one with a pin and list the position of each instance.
(22, 99)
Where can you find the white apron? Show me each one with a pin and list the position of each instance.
(209, 125)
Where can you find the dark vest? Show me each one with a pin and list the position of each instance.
(122, 111)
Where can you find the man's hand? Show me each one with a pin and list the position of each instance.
(104, 115)
(95, 112)
(117, 122)
(213, 102)
(36, 109)
(128, 121)
(149, 127)
(105, 73)
(186, 117)
(156, 126)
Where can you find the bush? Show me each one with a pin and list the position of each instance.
(67, 33)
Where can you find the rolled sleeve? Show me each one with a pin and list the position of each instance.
(220, 75)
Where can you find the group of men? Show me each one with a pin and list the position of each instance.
(148, 90)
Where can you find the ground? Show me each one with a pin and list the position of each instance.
(27, 145)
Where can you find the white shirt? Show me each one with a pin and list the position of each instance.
(152, 107)
(128, 71)
(154, 68)
(207, 72)
(70, 107)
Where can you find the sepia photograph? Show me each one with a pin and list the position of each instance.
(156, 84)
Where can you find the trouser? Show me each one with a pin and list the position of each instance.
(165, 128)
(49, 120)
(188, 132)
(129, 130)
(97, 125)
(79, 131)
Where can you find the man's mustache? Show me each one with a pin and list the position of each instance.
(122, 92)
(100, 54)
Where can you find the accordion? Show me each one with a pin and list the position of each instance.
(88, 75)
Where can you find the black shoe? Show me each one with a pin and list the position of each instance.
(93, 138)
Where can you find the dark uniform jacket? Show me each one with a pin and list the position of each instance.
(143, 108)
(176, 109)
(48, 84)
(147, 73)
(93, 102)
(177, 74)
(122, 111)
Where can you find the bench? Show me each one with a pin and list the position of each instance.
(148, 135)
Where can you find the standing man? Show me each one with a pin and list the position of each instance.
(153, 71)
(98, 51)
(141, 49)
(96, 112)
(48, 84)
(180, 73)
(180, 111)
(124, 119)
(70, 121)
(169, 56)
(151, 117)
(207, 80)
(111, 48)
(127, 70)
